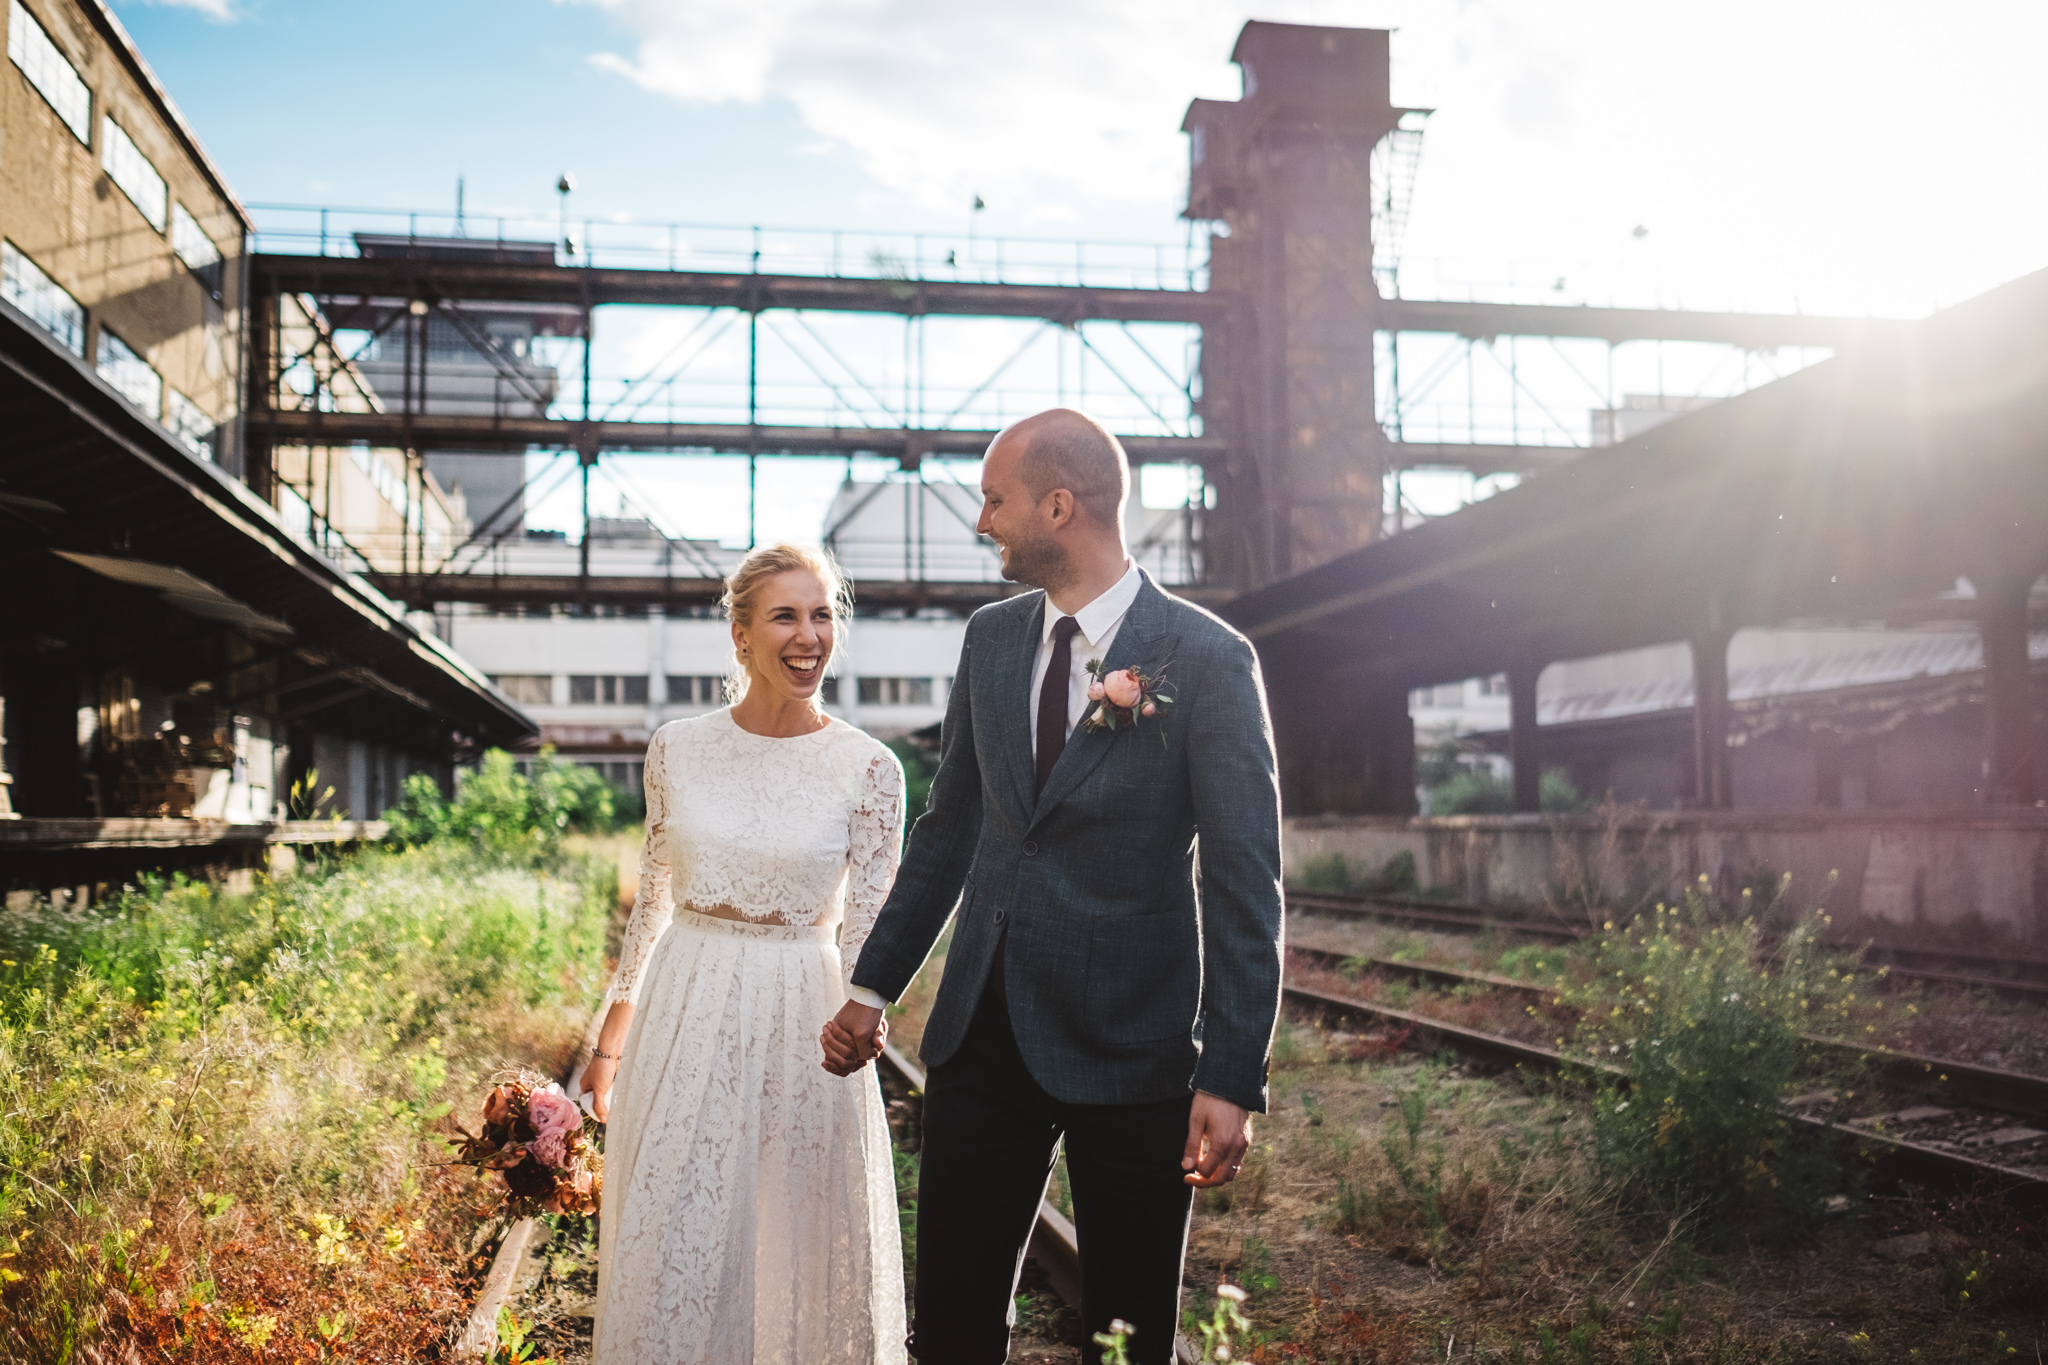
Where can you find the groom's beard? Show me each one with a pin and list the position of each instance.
(1041, 563)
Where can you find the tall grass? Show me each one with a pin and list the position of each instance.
(219, 1113)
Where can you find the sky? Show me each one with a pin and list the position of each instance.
(1878, 157)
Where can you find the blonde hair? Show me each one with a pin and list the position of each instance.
(743, 587)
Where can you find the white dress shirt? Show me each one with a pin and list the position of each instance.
(1098, 623)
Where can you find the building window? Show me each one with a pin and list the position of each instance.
(828, 691)
(130, 169)
(49, 71)
(607, 689)
(184, 420)
(295, 512)
(134, 378)
(1495, 686)
(530, 689)
(190, 241)
(695, 689)
(625, 775)
(46, 302)
(895, 691)
(195, 248)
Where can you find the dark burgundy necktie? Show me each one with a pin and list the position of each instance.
(1052, 737)
(1052, 697)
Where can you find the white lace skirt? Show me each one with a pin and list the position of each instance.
(750, 1199)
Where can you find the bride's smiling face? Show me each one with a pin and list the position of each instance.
(789, 640)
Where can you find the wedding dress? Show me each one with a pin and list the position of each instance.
(750, 1200)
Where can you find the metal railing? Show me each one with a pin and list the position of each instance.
(316, 230)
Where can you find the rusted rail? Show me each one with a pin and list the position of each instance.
(1899, 1159)
(1948, 1079)
(2015, 978)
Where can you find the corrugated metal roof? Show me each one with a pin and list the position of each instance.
(1903, 657)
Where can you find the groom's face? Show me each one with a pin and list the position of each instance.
(1022, 527)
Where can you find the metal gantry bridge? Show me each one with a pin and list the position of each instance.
(1277, 404)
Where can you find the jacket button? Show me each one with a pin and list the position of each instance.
(1030, 849)
(1002, 915)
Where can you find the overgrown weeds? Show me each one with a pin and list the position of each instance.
(1470, 1185)
(1694, 1035)
(218, 1134)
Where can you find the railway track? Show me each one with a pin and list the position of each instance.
(1947, 1125)
(2014, 978)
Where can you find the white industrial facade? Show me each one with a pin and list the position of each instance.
(601, 681)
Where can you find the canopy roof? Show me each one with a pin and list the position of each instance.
(1867, 481)
(85, 476)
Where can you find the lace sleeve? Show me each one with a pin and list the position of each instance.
(653, 903)
(874, 845)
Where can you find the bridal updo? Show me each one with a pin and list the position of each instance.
(743, 590)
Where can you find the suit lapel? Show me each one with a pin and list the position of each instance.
(1014, 703)
(1141, 642)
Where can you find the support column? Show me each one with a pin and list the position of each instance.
(1353, 755)
(1523, 748)
(1710, 785)
(2009, 767)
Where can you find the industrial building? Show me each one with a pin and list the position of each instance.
(177, 656)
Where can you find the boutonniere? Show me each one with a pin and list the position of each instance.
(1123, 697)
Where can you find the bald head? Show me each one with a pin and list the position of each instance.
(1063, 448)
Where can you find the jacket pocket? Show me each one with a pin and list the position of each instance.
(1144, 978)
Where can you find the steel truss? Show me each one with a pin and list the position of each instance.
(391, 295)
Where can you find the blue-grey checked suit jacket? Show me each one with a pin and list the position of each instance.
(1129, 977)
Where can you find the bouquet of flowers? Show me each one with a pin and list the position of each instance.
(538, 1140)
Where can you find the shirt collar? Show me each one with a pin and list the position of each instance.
(1100, 616)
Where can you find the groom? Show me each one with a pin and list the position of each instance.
(1115, 965)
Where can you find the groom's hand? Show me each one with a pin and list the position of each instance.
(1218, 1133)
(852, 1038)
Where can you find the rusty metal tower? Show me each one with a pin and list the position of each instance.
(1288, 171)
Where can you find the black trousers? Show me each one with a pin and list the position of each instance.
(991, 1135)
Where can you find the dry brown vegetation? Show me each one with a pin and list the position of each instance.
(223, 1113)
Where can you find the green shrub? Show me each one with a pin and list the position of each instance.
(1712, 1034)
(1474, 792)
(1336, 874)
(502, 811)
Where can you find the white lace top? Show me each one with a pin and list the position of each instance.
(806, 830)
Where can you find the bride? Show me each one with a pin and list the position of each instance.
(750, 1202)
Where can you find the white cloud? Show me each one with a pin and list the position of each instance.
(220, 11)
(942, 99)
(1872, 154)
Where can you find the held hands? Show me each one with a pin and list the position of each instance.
(1218, 1134)
(852, 1038)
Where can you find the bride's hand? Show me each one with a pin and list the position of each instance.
(852, 1038)
(597, 1083)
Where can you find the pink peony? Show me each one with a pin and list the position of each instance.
(553, 1114)
(1095, 689)
(550, 1149)
(1121, 687)
(1148, 709)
